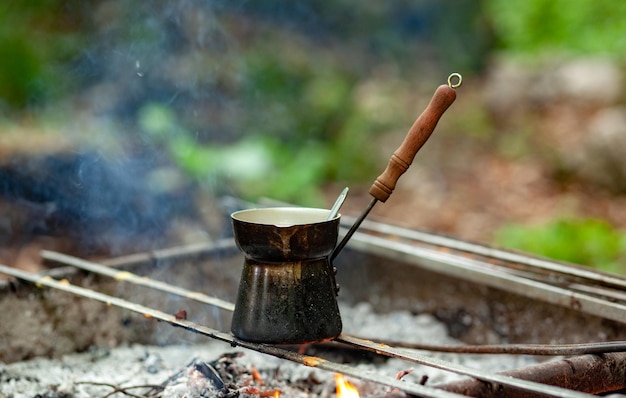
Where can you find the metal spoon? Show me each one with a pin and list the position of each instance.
(338, 203)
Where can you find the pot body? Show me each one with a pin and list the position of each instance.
(287, 292)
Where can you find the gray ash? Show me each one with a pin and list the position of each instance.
(213, 369)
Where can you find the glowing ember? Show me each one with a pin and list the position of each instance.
(345, 389)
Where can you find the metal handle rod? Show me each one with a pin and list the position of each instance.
(353, 229)
(402, 158)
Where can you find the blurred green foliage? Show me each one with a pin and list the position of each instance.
(534, 27)
(308, 114)
(410, 34)
(581, 241)
(263, 96)
(281, 80)
(258, 164)
(36, 41)
(540, 29)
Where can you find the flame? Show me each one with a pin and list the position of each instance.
(345, 389)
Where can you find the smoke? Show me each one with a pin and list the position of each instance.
(227, 71)
(111, 187)
(101, 202)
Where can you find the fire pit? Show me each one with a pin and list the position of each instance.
(494, 301)
(476, 294)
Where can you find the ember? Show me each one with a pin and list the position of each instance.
(181, 315)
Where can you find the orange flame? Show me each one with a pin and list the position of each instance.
(345, 389)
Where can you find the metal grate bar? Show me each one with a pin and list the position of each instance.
(177, 253)
(535, 263)
(150, 313)
(516, 349)
(488, 274)
(125, 276)
(364, 344)
(494, 379)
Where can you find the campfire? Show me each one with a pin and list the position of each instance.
(128, 270)
(345, 389)
(241, 367)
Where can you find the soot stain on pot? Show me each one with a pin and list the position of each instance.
(297, 272)
(285, 235)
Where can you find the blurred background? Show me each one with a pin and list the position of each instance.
(124, 123)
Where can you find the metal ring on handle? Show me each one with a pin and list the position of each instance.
(458, 83)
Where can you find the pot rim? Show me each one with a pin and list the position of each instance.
(283, 217)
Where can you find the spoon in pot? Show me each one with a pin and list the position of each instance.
(338, 203)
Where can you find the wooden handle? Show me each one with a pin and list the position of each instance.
(416, 137)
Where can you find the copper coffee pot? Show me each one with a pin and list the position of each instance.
(287, 292)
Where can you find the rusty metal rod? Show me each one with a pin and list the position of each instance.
(516, 349)
(173, 253)
(511, 260)
(150, 313)
(416, 389)
(125, 276)
(513, 349)
(613, 296)
(535, 263)
(495, 380)
(196, 250)
(484, 273)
